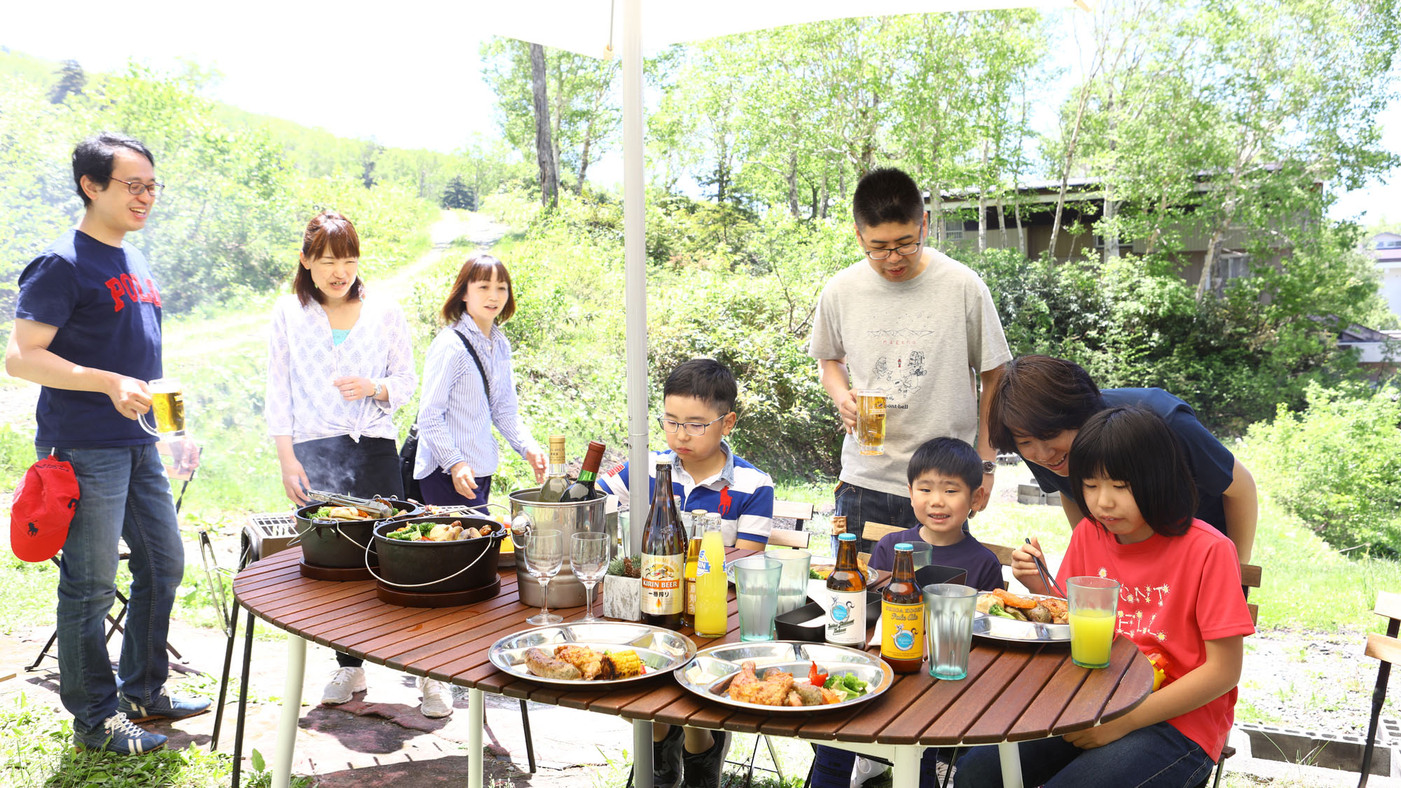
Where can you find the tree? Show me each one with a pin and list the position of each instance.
(71, 81)
(369, 155)
(458, 194)
(544, 148)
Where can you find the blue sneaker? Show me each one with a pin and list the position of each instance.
(121, 736)
(163, 707)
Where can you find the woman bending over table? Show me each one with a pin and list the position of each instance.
(1179, 597)
(339, 364)
(467, 387)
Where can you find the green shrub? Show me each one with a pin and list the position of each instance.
(1336, 465)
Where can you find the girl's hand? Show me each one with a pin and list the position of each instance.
(295, 482)
(536, 458)
(1024, 567)
(1100, 735)
(354, 388)
(463, 481)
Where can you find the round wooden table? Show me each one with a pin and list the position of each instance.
(1013, 692)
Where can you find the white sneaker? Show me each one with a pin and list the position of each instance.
(866, 769)
(437, 698)
(343, 686)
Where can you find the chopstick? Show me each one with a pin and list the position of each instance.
(1045, 575)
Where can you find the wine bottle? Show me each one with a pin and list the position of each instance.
(663, 556)
(555, 481)
(582, 488)
(846, 590)
(902, 615)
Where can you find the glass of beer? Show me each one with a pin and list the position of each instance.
(870, 420)
(167, 409)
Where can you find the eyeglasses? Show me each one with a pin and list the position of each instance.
(904, 251)
(138, 188)
(692, 427)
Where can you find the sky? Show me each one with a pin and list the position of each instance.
(321, 65)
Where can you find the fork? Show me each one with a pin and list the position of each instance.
(1045, 575)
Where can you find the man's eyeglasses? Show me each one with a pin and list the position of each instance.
(691, 427)
(904, 251)
(138, 188)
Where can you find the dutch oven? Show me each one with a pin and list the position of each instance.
(437, 567)
(341, 544)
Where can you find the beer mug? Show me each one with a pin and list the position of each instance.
(870, 421)
(167, 409)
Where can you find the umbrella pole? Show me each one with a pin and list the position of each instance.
(635, 260)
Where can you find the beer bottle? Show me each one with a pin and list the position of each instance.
(846, 590)
(902, 615)
(582, 488)
(555, 481)
(663, 556)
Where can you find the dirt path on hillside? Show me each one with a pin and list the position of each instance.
(234, 332)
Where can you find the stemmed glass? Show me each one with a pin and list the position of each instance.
(588, 557)
(544, 553)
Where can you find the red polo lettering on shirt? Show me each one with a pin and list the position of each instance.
(725, 499)
(114, 286)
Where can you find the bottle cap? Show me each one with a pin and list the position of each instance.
(847, 538)
(905, 547)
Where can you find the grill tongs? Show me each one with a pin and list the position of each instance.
(377, 507)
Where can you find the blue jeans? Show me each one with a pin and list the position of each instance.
(861, 505)
(1157, 756)
(123, 494)
(831, 767)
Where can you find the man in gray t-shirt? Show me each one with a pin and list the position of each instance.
(915, 323)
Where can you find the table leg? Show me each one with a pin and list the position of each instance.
(642, 753)
(291, 712)
(906, 772)
(1011, 764)
(476, 720)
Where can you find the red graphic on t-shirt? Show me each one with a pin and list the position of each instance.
(725, 500)
(128, 287)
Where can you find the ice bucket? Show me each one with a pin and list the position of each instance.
(567, 518)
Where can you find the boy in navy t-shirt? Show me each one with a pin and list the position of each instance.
(88, 329)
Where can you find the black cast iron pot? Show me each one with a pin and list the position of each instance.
(437, 567)
(341, 544)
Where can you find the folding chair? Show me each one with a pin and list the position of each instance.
(178, 469)
(1387, 649)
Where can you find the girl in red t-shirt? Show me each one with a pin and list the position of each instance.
(1180, 598)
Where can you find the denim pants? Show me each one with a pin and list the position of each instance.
(861, 505)
(123, 495)
(831, 767)
(1158, 756)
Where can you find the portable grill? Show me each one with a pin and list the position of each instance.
(264, 535)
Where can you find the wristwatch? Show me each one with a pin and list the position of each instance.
(989, 466)
(380, 387)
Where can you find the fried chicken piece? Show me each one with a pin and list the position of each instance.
(588, 661)
(772, 690)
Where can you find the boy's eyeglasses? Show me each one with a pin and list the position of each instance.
(138, 188)
(904, 251)
(692, 427)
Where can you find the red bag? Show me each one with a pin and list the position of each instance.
(43, 507)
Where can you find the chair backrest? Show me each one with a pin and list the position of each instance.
(1003, 553)
(873, 531)
(782, 537)
(798, 511)
(1250, 578)
(1384, 647)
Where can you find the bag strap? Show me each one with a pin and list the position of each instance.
(471, 351)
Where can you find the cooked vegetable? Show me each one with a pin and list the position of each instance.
(816, 677)
(847, 684)
(621, 665)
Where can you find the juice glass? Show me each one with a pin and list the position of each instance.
(1093, 604)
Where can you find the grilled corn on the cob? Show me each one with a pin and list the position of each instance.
(621, 665)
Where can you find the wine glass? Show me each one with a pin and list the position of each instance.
(588, 557)
(544, 553)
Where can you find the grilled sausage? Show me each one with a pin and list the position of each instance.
(541, 664)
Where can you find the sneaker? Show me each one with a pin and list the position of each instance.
(344, 684)
(162, 707)
(703, 769)
(437, 698)
(121, 736)
(866, 770)
(666, 759)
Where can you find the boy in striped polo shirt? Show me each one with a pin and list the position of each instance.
(698, 403)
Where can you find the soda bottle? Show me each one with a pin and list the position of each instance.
(846, 590)
(712, 588)
(902, 615)
(692, 558)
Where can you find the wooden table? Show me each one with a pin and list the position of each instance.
(1012, 693)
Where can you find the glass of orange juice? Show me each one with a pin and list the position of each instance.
(1093, 604)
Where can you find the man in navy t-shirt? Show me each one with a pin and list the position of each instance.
(88, 329)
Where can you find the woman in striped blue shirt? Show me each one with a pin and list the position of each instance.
(467, 387)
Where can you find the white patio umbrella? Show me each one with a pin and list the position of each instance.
(634, 28)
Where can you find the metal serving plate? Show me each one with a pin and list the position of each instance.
(710, 672)
(1007, 629)
(661, 650)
